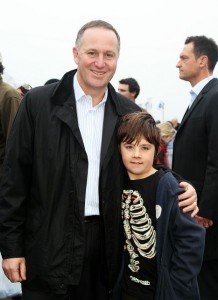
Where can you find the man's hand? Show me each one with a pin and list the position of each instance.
(204, 222)
(188, 199)
(15, 269)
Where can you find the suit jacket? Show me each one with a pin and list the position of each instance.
(195, 157)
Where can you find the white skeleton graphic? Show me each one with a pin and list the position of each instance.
(140, 234)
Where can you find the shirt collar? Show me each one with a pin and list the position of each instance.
(79, 93)
(201, 84)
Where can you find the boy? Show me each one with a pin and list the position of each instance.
(163, 246)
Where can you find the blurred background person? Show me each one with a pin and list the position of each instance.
(175, 123)
(129, 87)
(167, 136)
(23, 89)
(9, 102)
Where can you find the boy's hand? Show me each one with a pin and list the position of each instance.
(188, 199)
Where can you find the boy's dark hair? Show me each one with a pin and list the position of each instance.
(134, 126)
(204, 46)
(133, 85)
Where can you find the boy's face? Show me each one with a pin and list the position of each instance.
(138, 158)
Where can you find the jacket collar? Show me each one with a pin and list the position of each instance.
(200, 96)
(64, 97)
(64, 90)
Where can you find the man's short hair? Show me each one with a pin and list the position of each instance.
(133, 85)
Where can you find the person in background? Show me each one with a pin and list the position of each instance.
(161, 157)
(23, 89)
(175, 123)
(195, 152)
(129, 87)
(163, 246)
(167, 136)
(60, 216)
(9, 104)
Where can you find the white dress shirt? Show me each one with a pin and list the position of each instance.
(90, 121)
(198, 88)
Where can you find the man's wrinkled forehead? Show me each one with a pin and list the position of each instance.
(100, 36)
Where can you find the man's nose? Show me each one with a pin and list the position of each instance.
(100, 61)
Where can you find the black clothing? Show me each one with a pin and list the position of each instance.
(195, 157)
(42, 196)
(139, 218)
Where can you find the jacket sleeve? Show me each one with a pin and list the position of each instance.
(15, 183)
(9, 109)
(188, 247)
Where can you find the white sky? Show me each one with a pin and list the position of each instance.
(36, 40)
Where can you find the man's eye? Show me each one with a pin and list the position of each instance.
(92, 53)
(110, 55)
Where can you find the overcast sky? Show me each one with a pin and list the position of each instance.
(36, 40)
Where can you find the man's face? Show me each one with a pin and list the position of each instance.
(96, 59)
(123, 89)
(189, 66)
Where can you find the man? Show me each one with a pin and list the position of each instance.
(23, 89)
(9, 103)
(129, 87)
(195, 153)
(175, 123)
(60, 203)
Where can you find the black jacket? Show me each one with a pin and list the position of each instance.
(43, 190)
(180, 245)
(195, 157)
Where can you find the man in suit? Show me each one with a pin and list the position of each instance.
(60, 200)
(195, 152)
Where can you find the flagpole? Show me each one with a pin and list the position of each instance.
(161, 106)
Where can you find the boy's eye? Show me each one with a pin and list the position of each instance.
(129, 147)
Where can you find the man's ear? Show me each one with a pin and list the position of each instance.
(203, 60)
(75, 55)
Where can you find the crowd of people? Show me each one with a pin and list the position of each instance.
(97, 200)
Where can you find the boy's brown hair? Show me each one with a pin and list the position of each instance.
(134, 126)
